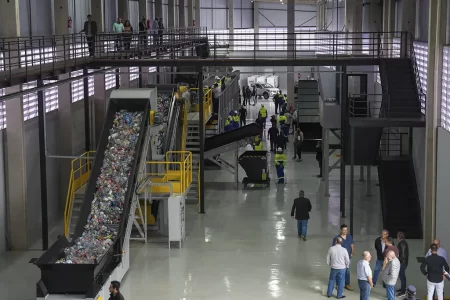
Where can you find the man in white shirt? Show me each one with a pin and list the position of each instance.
(364, 274)
(339, 261)
(440, 252)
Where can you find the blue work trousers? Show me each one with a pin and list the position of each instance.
(280, 173)
(302, 227)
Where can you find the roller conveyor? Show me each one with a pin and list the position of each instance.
(86, 281)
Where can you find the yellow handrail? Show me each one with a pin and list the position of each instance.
(207, 98)
(181, 170)
(79, 175)
(198, 183)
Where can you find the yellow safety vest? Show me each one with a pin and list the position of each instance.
(236, 119)
(282, 118)
(263, 112)
(280, 159)
(227, 122)
(258, 147)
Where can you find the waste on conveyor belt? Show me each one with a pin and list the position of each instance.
(112, 184)
(162, 116)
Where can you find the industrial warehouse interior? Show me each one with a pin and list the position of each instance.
(224, 149)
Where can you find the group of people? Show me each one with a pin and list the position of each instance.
(124, 32)
(391, 263)
(249, 94)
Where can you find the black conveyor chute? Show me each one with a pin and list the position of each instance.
(232, 136)
(87, 279)
(255, 166)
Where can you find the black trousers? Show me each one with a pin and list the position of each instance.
(273, 145)
(91, 44)
(243, 121)
(298, 150)
(320, 166)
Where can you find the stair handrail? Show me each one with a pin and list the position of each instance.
(184, 129)
(422, 97)
(80, 169)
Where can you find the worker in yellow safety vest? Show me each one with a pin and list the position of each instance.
(280, 162)
(263, 114)
(228, 124)
(282, 119)
(257, 145)
(236, 120)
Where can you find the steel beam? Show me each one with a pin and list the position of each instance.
(326, 161)
(352, 175)
(87, 127)
(202, 142)
(42, 165)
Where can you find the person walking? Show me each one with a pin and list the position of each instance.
(216, 94)
(90, 30)
(161, 31)
(390, 274)
(143, 33)
(254, 95)
(364, 274)
(118, 29)
(298, 142)
(275, 101)
(441, 251)
(263, 113)
(433, 267)
(319, 156)
(155, 29)
(244, 94)
(127, 35)
(243, 115)
(114, 289)
(300, 211)
(380, 245)
(248, 92)
(281, 140)
(280, 163)
(347, 243)
(339, 262)
(403, 257)
(273, 134)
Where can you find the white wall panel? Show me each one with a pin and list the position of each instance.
(443, 188)
(3, 215)
(110, 14)
(133, 15)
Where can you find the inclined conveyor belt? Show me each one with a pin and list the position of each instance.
(88, 279)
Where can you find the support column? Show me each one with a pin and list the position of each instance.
(368, 182)
(256, 24)
(9, 14)
(436, 41)
(124, 77)
(290, 49)
(388, 25)
(123, 9)
(61, 8)
(100, 105)
(190, 12)
(171, 13)
(181, 14)
(197, 13)
(353, 23)
(65, 132)
(158, 10)
(97, 12)
(17, 181)
(231, 22)
(326, 160)
(143, 11)
(87, 125)
(202, 143)
(42, 165)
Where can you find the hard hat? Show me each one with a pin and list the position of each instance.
(235, 111)
(262, 105)
(182, 89)
(280, 150)
(285, 95)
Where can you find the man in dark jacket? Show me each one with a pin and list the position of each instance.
(276, 101)
(114, 289)
(143, 33)
(90, 30)
(380, 245)
(273, 134)
(433, 267)
(243, 115)
(403, 256)
(260, 121)
(300, 211)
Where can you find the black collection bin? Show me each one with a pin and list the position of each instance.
(255, 166)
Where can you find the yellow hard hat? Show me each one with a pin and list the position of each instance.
(182, 89)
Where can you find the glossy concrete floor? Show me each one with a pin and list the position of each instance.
(245, 246)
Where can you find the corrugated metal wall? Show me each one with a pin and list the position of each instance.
(110, 14)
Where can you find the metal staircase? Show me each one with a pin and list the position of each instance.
(76, 209)
(193, 145)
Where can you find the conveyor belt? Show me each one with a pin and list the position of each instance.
(87, 279)
(230, 140)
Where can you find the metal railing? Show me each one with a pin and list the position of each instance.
(384, 106)
(79, 175)
(21, 55)
(207, 106)
(177, 169)
(393, 142)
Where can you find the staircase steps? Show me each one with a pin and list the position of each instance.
(76, 209)
(399, 196)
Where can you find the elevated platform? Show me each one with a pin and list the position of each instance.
(387, 122)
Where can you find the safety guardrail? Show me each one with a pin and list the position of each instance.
(79, 175)
(176, 169)
(207, 99)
